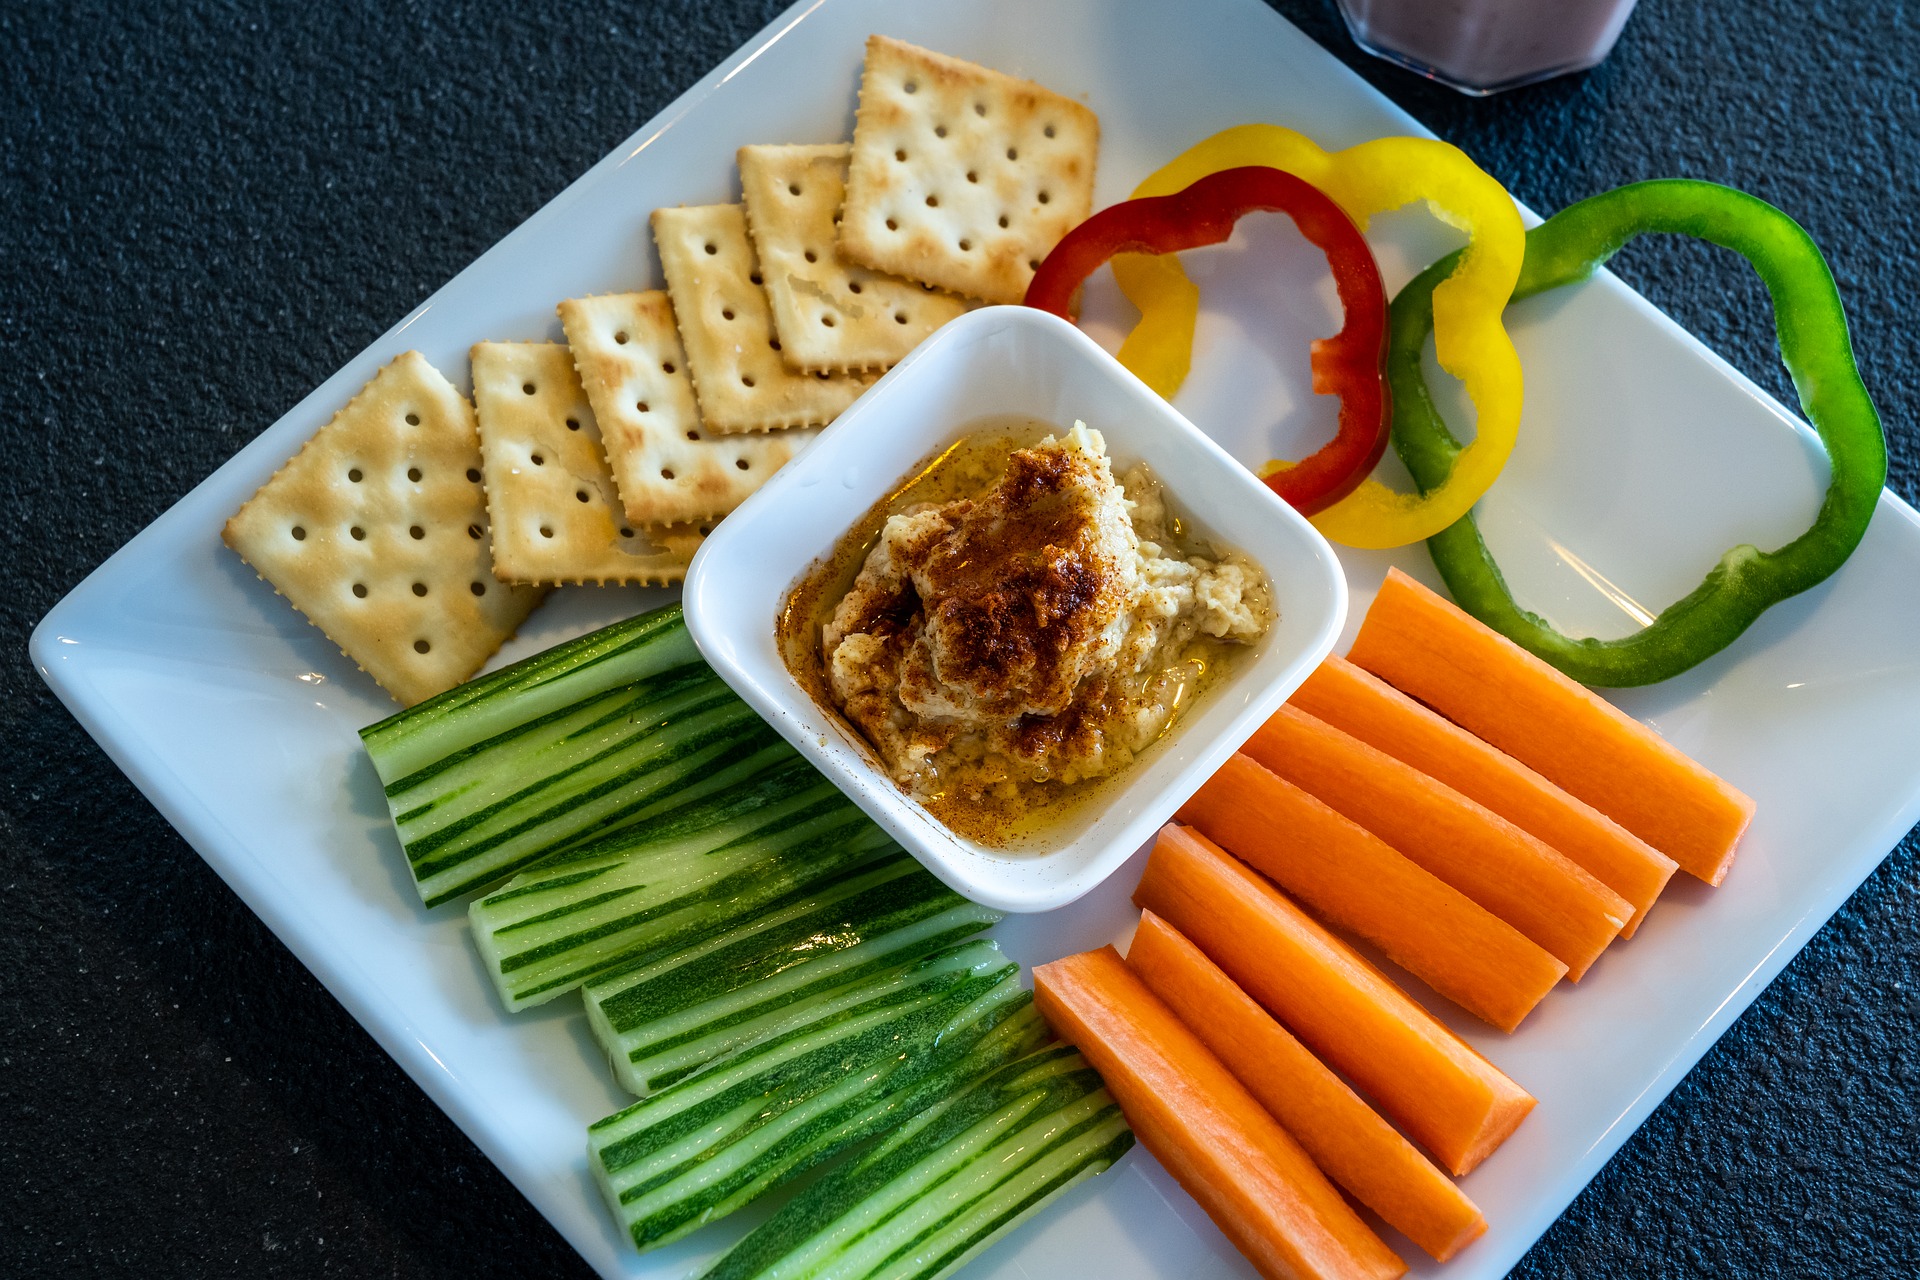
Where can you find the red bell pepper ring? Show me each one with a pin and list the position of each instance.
(1351, 364)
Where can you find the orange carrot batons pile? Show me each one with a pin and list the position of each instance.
(1431, 649)
(1448, 1098)
(1357, 1149)
(1358, 703)
(1530, 885)
(1351, 878)
(1247, 1172)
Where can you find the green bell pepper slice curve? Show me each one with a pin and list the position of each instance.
(1812, 330)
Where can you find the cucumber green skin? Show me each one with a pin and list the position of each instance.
(585, 739)
(513, 781)
(625, 921)
(804, 1110)
(921, 948)
(562, 676)
(543, 825)
(947, 983)
(934, 1194)
(788, 778)
(609, 708)
(669, 1020)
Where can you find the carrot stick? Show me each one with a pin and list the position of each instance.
(1532, 886)
(1351, 878)
(1345, 1137)
(1482, 681)
(1446, 1097)
(1356, 702)
(1247, 1172)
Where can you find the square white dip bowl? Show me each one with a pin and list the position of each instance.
(993, 362)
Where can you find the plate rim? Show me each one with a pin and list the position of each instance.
(296, 928)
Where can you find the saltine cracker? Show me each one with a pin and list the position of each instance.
(377, 531)
(556, 515)
(739, 377)
(962, 177)
(829, 313)
(668, 469)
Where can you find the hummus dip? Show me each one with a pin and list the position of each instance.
(1003, 649)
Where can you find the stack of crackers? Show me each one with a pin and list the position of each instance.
(417, 530)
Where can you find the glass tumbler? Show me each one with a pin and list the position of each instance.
(1484, 46)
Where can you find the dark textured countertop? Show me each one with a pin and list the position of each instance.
(210, 206)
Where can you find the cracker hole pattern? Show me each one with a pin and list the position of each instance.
(713, 248)
(939, 131)
(546, 531)
(793, 188)
(621, 337)
(667, 367)
(626, 533)
(740, 463)
(413, 474)
(360, 590)
(746, 379)
(892, 225)
(478, 588)
(642, 407)
(1013, 153)
(581, 494)
(354, 474)
(299, 533)
(693, 435)
(421, 646)
(528, 388)
(665, 474)
(539, 461)
(357, 534)
(416, 532)
(853, 286)
(1048, 131)
(473, 474)
(827, 321)
(413, 419)
(811, 256)
(899, 317)
(1003, 221)
(911, 86)
(573, 424)
(900, 155)
(420, 588)
(475, 532)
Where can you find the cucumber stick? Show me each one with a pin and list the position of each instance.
(551, 680)
(704, 1147)
(650, 889)
(944, 1186)
(663, 1021)
(588, 737)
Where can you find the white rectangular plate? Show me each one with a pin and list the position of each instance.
(1643, 456)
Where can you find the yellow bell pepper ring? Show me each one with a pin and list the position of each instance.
(1472, 345)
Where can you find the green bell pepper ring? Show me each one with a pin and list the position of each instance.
(1812, 329)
